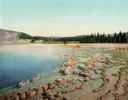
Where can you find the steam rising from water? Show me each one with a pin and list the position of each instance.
(8, 36)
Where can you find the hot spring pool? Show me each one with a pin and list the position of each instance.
(21, 62)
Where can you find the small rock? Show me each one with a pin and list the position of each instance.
(48, 93)
(35, 78)
(65, 98)
(22, 94)
(58, 94)
(31, 93)
(86, 78)
(15, 96)
(45, 86)
(51, 97)
(67, 71)
(22, 83)
(39, 90)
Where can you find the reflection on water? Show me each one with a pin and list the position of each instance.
(21, 62)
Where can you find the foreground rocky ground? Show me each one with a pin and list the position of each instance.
(90, 72)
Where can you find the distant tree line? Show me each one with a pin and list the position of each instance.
(106, 38)
(121, 37)
(25, 36)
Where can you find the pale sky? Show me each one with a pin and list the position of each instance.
(64, 17)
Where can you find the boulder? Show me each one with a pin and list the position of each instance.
(58, 94)
(48, 93)
(31, 93)
(38, 90)
(60, 81)
(22, 83)
(51, 86)
(15, 97)
(67, 79)
(22, 94)
(125, 88)
(36, 77)
(76, 72)
(65, 98)
(84, 74)
(87, 78)
(45, 86)
(67, 71)
(51, 97)
(70, 62)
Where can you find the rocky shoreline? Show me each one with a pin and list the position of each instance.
(105, 66)
(24, 83)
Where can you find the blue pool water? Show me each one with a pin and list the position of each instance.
(21, 62)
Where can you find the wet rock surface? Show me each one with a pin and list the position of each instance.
(22, 83)
(35, 78)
